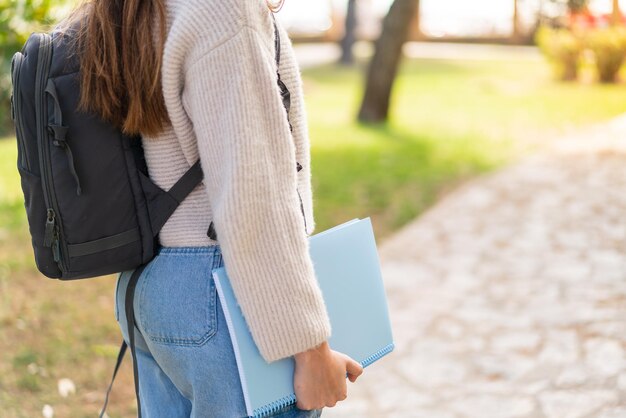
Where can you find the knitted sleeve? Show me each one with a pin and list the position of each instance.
(248, 159)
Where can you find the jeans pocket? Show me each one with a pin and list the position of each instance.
(178, 300)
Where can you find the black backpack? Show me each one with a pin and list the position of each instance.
(92, 209)
(91, 206)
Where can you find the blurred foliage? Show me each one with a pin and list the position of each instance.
(18, 19)
(565, 49)
(562, 48)
(609, 50)
(577, 5)
(572, 5)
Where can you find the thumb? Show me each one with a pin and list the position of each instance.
(354, 369)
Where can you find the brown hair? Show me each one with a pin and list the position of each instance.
(120, 62)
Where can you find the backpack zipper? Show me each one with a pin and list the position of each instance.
(16, 65)
(53, 236)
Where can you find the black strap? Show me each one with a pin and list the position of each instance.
(284, 91)
(162, 204)
(103, 244)
(186, 183)
(59, 133)
(276, 41)
(120, 357)
(286, 97)
(212, 233)
(130, 320)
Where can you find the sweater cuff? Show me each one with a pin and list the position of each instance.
(297, 340)
(285, 312)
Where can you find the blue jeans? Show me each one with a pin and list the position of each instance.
(185, 359)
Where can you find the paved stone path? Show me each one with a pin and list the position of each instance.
(508, 299)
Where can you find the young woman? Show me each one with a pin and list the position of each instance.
(198, 79)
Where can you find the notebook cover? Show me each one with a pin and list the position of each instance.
(347, 266)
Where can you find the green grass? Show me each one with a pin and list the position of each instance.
(49, 329)
(451, 121)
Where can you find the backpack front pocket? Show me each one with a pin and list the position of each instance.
(16, 111)
(36, 212)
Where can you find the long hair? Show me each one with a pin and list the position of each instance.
(120, 60)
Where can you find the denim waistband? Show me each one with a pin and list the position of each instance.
(205, 250)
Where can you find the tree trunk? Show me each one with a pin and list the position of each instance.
(616, 17)
(349, 37)
(415, 33)
(516, 29)
(384, 65)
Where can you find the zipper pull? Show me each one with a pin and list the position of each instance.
(56, 251)
(50, 229)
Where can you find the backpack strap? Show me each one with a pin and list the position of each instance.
(59, 133)
(130, 321)
(284, 91)
(186, 183)
(161, 203)
(120, 357)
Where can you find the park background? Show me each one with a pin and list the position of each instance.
(479, 87)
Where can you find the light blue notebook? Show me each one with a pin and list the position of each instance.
(348, 270)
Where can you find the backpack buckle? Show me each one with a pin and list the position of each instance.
(59, 132)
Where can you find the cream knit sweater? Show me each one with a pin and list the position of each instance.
(220, 88)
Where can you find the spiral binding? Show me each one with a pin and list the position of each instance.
(376, 356)
(274, 406)
(288, 400)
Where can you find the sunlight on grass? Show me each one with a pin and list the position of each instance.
(450, 120)
(10, 190)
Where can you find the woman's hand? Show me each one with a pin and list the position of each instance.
(320, 377)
